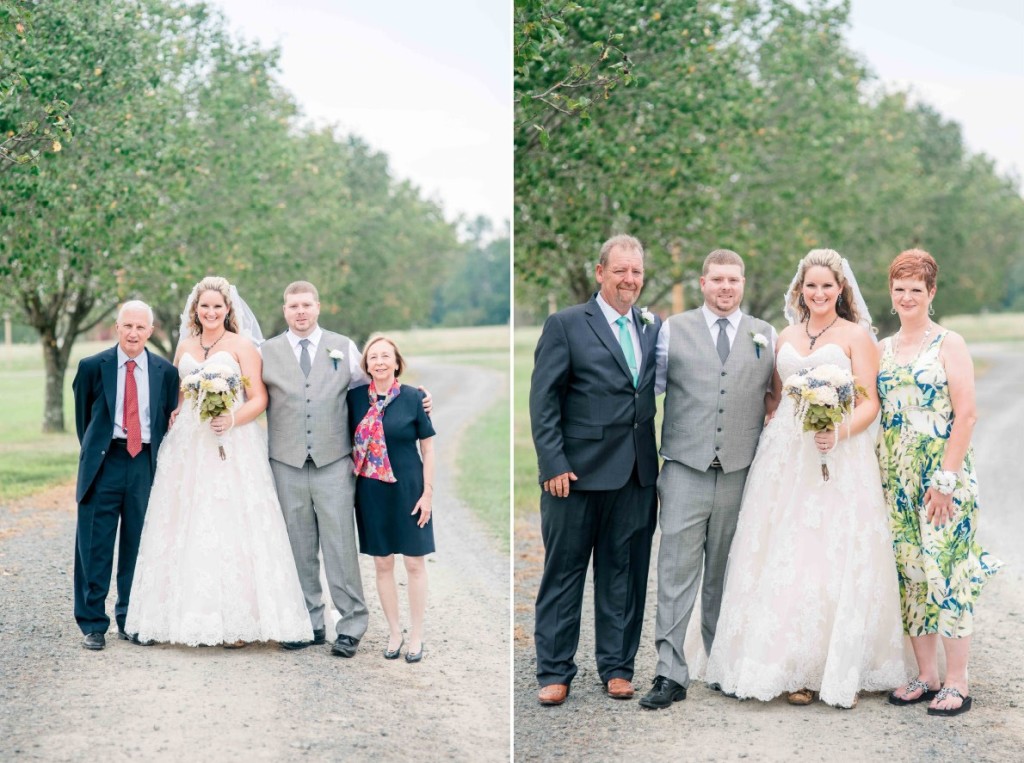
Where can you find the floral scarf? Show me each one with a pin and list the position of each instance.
(370, 452)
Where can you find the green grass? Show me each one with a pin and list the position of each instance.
(991, 327)
(524, 476)
(31, 460)
(471, 340)
(483, 467)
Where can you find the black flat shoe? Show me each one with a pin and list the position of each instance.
(94, 641)
(663, 693)
(394, 655)
(319, 637)
(410, 657)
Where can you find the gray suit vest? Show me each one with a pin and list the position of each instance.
(711, 409)
(307, 416)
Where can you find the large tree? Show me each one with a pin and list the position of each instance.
(749, 125)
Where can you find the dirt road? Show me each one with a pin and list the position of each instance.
(710, 727)
(60, 702)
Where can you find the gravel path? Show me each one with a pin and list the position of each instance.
(60, 702)
(710, 727)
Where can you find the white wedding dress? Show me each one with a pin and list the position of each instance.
(215, 565)
(811, 595)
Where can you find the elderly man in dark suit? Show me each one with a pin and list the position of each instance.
(124, 397)
(592, 415)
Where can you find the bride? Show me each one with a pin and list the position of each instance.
(215, 565)
(811, 599)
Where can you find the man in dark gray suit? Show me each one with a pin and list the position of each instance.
(124, 397)
(715, 365)
(592, 415)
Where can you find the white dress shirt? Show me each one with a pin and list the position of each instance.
(352, 355)
(711, 318)
(141, 384)
(612, 315)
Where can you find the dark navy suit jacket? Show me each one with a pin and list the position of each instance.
(95, 388)
(585, 414)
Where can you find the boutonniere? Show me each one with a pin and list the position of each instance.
(646, 318)
(335, 356)
(760, 342)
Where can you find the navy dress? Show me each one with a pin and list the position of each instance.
(383, 516)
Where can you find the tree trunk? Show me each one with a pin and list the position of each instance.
(56, 362)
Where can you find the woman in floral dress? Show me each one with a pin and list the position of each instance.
(926, 388)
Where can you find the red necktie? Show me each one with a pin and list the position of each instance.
(131, 411)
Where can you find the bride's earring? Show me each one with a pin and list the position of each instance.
(839, 300)
(801, 301)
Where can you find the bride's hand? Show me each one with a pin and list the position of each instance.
(170, 422)
(221, 424)
(825, 441)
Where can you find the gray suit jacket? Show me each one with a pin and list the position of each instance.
(307, 416)
(711, 409)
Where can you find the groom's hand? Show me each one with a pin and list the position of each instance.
(428, 400)
(559, 486)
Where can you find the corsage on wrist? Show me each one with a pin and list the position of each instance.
(943, 481)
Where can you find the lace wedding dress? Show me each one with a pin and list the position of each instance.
(214, 563)
(811, 595)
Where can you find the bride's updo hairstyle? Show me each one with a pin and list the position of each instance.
(825, 258)
(217, 284)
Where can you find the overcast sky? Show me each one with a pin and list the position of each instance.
(964, 57)
(429, 83)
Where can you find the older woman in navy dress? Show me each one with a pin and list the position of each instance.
(394, 487)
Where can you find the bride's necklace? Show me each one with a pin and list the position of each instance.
(920, 347)
(815, 337)
(206, 350)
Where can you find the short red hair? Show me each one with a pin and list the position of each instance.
(914, 264)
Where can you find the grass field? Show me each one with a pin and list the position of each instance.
(974, 328)
(31, 461)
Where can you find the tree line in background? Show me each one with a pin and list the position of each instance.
(749, 125)
(188, 158)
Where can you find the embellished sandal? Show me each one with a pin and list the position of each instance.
(801, 697)
(945, 693)
(926, 694)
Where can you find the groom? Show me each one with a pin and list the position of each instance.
(715, 365)
(592, 415)
(308, 373)
(124, 397)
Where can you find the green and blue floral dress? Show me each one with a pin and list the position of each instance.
(941, 570)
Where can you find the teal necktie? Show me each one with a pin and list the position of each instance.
(626, 341)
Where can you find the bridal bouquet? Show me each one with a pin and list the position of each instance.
(213, 391)
(824, 397)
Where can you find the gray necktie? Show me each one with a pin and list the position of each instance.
(723, 339)
(304, 362)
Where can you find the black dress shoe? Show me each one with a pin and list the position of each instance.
(410, 657)
(94, 641)
(393, 655)
(345, 646)
(319, 637)
(664, 692)
(134, 638)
